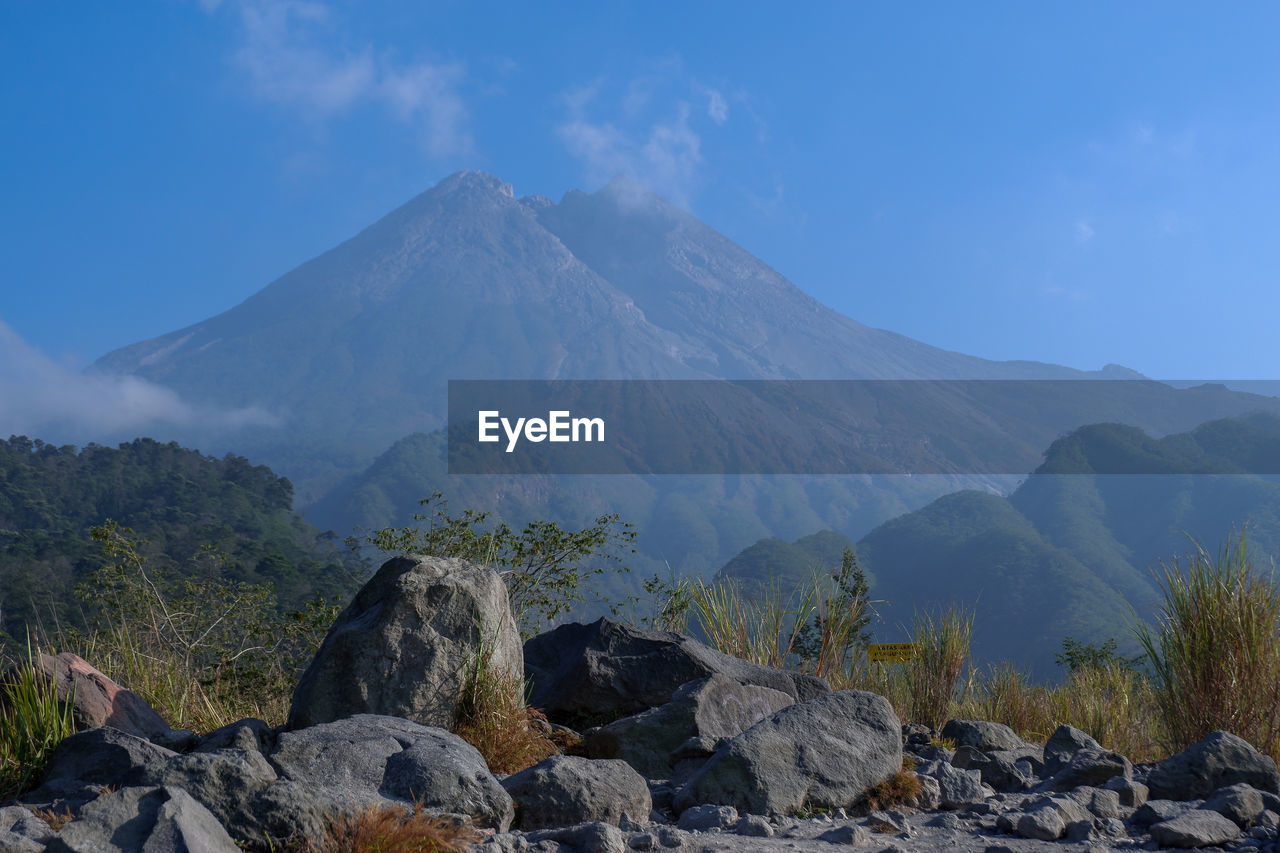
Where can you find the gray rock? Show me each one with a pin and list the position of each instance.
(707, 818)
(1131, 792)
(1065, 742)
(1239, 803)
(144, 820)
(1159, 811)
(956, 788)
(752, 826)
(670, 836)
(225, 782)
(249, 733)
(821, 753)
(21, 822)
(995, 770)
(564, 790)
(853, 836)
(608, 670)
(286, 810)
(103, 756)
(1080, 831)
(593, 837)
(710, 708)
(1092, 767)
(1220, 759)
(888, 821)
(1042, 824)
(368, 758)
(1068, 809)
(12, 842)
(930, 796)
(1100, 802)
(982, 736)
(403, 645)
(1197, 828)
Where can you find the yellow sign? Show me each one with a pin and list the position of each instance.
(891, 652)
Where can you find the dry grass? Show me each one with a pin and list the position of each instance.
(899, 789)
(394, 829)
(56, 820)
(494, 718)
(761, 627)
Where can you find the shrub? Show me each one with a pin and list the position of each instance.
(32, 723)
(201, 650)
(899, 789)
(545, 567)
(1215, 649)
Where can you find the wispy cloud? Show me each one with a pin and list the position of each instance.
(1084, 231)
(292, 54)
(41, 398)
(651, 129)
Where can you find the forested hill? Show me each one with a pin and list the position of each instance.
(178, 499)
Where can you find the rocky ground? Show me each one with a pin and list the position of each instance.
(700, 751)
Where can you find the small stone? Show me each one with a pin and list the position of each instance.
(707, 818)
(1080, 831)
(854, 836)
(1240, 803)
(753, 826)
(1132, 793)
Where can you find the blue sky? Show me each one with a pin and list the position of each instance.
(1077, 182)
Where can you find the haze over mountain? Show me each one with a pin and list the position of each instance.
(1069, 552)
(353, 349)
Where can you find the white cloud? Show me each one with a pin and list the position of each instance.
(291, 54)
(651, 129)
(39, 397)
(664, 157)
(1084, 231)
(717, 107)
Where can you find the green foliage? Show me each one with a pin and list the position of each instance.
(672, 603)
(32, 723)
(1077, 656)
(178, 499)
(1215, 648)
(546, 568)
(201, 649)
(847, 603)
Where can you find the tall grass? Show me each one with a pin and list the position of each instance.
(942, 656)
(32, 723)
(761, 626)
(1214, 650)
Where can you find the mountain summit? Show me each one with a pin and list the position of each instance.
(354, 348)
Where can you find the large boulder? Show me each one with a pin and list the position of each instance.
(715, 707)
(823, 753)
(98, 701)
(149, 820)
(983, 736)
(605, 670)
(225, 781)
(564, 790)
(369, 759)
(103, 756)
(404, 644)
(1218, 760)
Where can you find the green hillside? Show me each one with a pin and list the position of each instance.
(1070, 551)
(177, 499)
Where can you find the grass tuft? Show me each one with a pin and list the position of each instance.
(493, 717)
(899, 789)
(394, 829)
(942, 655)
(32, 723)
(1214, 650)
